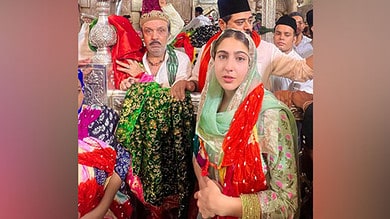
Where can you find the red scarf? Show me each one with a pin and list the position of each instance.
(206, 56)
(240, 178)
(128, 46)
(238, 149)
(90, 192)
(183, 40)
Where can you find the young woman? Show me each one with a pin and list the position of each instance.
(246, 159)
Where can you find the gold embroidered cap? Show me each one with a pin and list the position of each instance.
(153, 15)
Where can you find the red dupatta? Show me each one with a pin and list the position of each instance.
(206, 56)
(241, 150)
(183, 40)
(128, 46)
(242, 156)
(99, 156)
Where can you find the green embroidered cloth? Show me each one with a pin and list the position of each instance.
(158, 132)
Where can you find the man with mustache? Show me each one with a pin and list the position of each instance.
(161, 63)
(270, 60)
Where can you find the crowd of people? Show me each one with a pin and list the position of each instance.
(246, 152)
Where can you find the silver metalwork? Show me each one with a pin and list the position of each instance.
(95, 91)
(115, 99)
(103, 36)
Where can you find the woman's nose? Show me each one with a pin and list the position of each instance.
(229, 65)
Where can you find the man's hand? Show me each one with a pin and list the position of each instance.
(300, 97)
(132, 67)
(285, 96)
(162, 3)
(179, 88)
(126, 83)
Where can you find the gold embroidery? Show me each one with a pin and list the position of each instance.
(250, 206)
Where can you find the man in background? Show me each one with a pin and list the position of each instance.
(270, 60)
(303, 43)
(199, 20)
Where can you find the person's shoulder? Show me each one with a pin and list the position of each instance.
(270, 102)
(266, 45)
(264, 42)
(267, 49)
(269, 97)
(202, 17)
(306, 39)
(179, 52)
(295, 55)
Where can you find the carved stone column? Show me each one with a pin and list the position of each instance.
(268, 17)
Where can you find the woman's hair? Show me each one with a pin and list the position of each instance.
(229, 33)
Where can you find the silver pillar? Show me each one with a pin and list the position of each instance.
(102, 36)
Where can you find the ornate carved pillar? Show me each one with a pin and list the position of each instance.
(268, 17)
(101, 79)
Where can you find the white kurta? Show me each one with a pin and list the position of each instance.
(183, 70)
(201, 20)
(304, 48)
(280, 83)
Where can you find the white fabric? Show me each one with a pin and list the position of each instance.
(183, 70)
(198, 21)
(175, 20)
(304, 48)
(280, 83)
